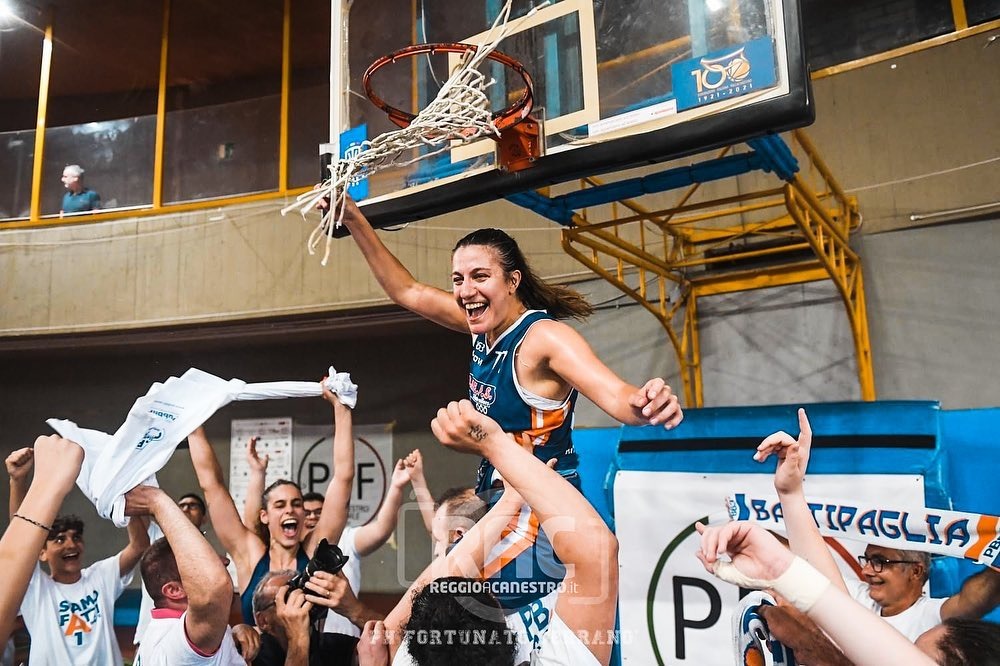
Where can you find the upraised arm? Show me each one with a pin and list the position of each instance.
(19, 465)
(241, 543)
(206, 583)
(333, 519)
(758, 561)
(578, 535)
(25, 536)
(569, 357)
(425, 501)
(255, 484)
(804, 538)
(138, 542)
(370, 537)
(398, 283)
(466, 559)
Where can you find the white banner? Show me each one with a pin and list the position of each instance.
(890, 523)
(373, 464)
(674, 612)
(274, 438)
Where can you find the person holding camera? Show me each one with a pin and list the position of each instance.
(286, 614)
(355, 541)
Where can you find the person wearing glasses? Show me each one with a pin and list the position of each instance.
(193, 507)
(312, 505)
(894, 580)
(288, 635)
(893, 586)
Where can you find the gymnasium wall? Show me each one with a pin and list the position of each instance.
(933, 311)
(893, 121)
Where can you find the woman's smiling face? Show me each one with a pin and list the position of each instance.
(483, 290)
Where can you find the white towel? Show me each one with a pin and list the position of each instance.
(158, 422)
(340, 384)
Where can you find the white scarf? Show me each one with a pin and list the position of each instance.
(962, 534)
(162, 419)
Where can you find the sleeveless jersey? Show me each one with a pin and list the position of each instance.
(259, 571)
(495, 391)
(522, 568)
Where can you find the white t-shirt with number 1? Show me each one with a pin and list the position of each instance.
(74, 623)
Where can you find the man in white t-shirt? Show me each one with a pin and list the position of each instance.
(193, 507)
(449, 607)
(191, 592)
(894, 587)
(69, 612)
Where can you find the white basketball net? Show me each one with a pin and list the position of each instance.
(459, 112)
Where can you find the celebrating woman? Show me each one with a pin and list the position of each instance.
(527, 365)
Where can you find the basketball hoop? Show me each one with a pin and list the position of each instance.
(517, 134)
(459, 112)
(502, 120)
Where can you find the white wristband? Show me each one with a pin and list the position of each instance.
(801, 584)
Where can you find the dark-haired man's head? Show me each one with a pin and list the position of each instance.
(161, 577)
(312, 504)
(65, 523)
(63, 550)
(962, 643)
(457, 621)
(458, 509)
(193, 507)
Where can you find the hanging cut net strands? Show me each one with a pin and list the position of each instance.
(459, 112)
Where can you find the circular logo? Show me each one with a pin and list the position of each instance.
(370, 477)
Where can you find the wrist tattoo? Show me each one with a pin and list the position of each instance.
(477, 433)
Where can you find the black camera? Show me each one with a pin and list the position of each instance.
(329, 558)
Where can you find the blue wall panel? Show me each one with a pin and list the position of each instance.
(956, 452)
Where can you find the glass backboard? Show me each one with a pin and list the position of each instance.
(617, 83)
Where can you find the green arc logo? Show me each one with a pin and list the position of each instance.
(654, 582)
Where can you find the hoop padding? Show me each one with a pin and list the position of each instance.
(508, 117)
(459, 112)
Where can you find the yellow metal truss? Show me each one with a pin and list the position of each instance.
(666, 259)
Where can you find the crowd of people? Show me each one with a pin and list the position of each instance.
(524, 569)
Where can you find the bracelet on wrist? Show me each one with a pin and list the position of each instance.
(33, 522)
